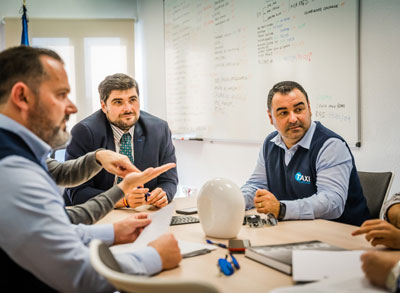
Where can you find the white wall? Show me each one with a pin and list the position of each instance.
(379, 72)
(380, 76)
(149, 48)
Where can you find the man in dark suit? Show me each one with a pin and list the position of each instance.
(121, 126)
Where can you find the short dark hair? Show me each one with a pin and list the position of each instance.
(22, 63)
(119, 82)
(284, 87)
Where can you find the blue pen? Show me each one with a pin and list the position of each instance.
(217, 244)
(234, 261)
(146, 195)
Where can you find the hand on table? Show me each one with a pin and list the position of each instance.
(377, 265)
(137, 197)
(158, 198)
(380, 232)
(168, 249)
(265, 202)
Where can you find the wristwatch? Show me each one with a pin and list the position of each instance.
(391, 280)
(282, 211)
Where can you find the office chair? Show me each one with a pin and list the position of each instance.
(376, 186)
(105, 264)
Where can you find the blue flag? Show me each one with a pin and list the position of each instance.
(24, 36)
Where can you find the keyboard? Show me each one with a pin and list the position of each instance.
(180, 220)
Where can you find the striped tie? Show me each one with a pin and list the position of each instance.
(126, 149)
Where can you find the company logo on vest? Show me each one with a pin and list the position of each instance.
(302, 178)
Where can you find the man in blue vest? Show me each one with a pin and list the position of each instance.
(304, 170)
(38, 243)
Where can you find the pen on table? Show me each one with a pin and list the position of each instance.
(217, 244)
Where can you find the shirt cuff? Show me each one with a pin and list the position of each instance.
(150, 259)
(248, 198)
(104, 232)
(292, 210)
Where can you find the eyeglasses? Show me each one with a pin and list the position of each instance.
(228, 267)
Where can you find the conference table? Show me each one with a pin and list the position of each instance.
(252, 276)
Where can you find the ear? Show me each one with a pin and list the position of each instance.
(103, 107)
(21, 96)
(270, 117)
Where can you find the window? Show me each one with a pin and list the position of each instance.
(91, 50)
(113, 59)
(66, 51)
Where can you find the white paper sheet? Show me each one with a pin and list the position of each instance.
(159, 225)
(342, 284)
(315, 265)
(187, 247)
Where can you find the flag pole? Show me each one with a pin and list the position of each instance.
(24, 35)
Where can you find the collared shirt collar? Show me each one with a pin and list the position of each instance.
(305, 142)
(39, 148)
(119, 132)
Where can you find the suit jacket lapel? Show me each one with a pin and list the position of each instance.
(110, 145)
(110, 138)
(138, 144)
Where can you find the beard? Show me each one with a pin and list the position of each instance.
(40, 124)
(59, 139)
(123, 125)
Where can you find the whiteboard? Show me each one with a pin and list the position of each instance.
(223, 57)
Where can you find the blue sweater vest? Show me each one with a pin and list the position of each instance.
(12, 144)
(298, 179)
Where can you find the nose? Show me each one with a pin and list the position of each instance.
(71, 108)
(127, 107)
(292, 117)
